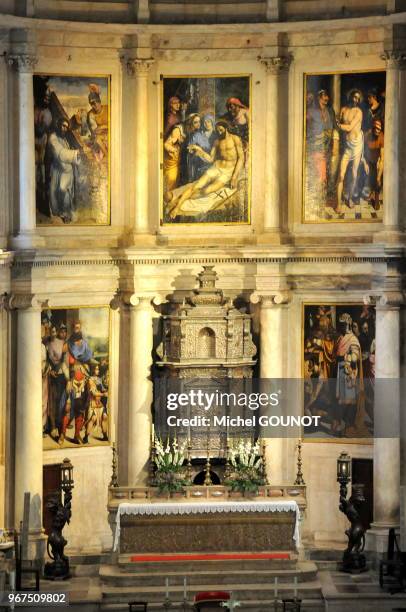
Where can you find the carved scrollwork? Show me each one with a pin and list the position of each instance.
(138, 67)
(394, 59)
(276, 65)
(22, 62)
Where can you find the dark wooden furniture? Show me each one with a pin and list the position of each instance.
(24, 567)
(137, 606)
(392, 570)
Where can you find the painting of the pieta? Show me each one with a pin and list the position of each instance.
(339, 369)
(71, 123)
(344, 147)
(206, 149)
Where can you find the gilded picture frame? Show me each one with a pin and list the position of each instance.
(343, 147)
(338, 371)
(72, 127)
(76, 386)
(206, 149)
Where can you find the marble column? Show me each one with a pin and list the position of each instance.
(395, 64)
(272, 366)
(28, 414)
(24, 64)
(140, 389)
(387, 410)
(276, 186)
(139, 68)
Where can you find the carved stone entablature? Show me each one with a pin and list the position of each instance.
(138, 67)
(276, 65)
(22, 62)
(394, 59)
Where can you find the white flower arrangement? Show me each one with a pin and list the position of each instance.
(247, 467)
(169, 459)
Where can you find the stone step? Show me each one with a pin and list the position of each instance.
(109, 574)
(242, 591)
(219, 565)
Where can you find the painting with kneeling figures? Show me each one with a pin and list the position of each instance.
(339, 370)
(72, 149)
(75, 376)
(206, 138)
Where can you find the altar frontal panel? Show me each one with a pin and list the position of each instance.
(339, 370)
(206, 149)
(240, 531)
(344, 132)
(72, 149)
(75, 377)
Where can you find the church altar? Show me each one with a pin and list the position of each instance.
(257, 525)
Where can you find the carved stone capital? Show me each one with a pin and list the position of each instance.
(138, 67)
(22, 62)
(388, 299)
(25, 301)
(140, 301)
(270, 300)
(394, 59)
(391, 299)
(276, 65)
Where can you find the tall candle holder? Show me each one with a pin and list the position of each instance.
(299, 476)
(189, 469)
(114, 474)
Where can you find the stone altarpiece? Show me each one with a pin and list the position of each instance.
(207, 344)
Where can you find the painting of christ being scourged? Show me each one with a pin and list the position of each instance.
(75, 377)
(71, 123)
(206, 149)
(339, 369)
(344, 147)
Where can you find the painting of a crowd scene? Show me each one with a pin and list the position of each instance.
(206, 149)
(71, 123)
(339, 369)
(75, 377)
(344, 147)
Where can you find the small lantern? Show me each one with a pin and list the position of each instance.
(344, 468)
(66, 475)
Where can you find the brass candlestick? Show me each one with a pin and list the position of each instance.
(114, 475)
(207, 478)
(189, 469)
(227, 471)
(299, 476)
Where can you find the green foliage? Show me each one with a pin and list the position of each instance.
(246, 476)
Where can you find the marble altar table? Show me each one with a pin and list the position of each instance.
(207, 526)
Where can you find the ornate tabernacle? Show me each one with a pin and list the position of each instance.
(207, 343)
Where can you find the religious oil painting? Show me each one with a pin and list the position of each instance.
(75, 377)
(72, 156)
(339, 370)
(344, 118)
(206, 138)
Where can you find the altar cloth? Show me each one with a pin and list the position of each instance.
(207, 507)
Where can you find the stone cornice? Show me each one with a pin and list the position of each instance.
(375, 21)
(200, 260)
